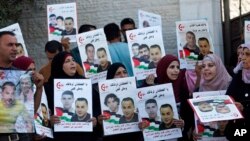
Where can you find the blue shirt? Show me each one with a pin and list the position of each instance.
(119, 53)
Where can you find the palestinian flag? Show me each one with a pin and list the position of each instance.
(38, 118)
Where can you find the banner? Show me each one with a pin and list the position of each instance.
(17, 102)
(146, 49)
(21, 48)
(147, 19)
(157, 107)
(193, 41)
(118, 104)
(62, 21)
(73, 104)
(95, 54)
(247, 31)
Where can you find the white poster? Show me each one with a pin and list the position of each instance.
(210, 131)
(62, 21)
(118, 104)
(95, 54)
(157, 107)
(21, 48)
(247, 31)
(73, 104)
(42, 118)
(215, 108)
(146, 49)
(17, 102)
(147, 19)
(193, 41)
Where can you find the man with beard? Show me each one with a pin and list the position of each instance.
(144, 53)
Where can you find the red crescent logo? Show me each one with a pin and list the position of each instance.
(59, 85)
(180, 27)
(131, 36)
(104, 87)
(140, 94)
(81, 39)
(248, 27)
(51, 9)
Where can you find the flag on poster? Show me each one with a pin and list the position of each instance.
(210, 131)
(154, 102)
(147, 19)
(62, 21)
(42, 118)
(121, 92)
(70, 95)
(95, 54)
(215, 108)
(17, 110)
(194, 42)
(146, 49)
(21, 48)
(247, 31)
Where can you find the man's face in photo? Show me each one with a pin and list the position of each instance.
(81, 108)
(128, 109)
(144, 53)
(112, 104)
(69, 25)
(8, 96)
(151, 109)
(67, 101)
(90, 53)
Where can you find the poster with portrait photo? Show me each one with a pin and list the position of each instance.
(153, 104)
(215, 108)
(117, 97)
(73, 105)
(146, 49)
(62, 21)
(193, 41)
(21, 48)
(42, 118)
(95, 54)
(247, 31)
(210, 130)
(147, 19)
(17, 102)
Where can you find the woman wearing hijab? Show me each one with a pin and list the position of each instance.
(63, 66)
(239, 89)
(168, 71)
(118, 70)
(213, 76)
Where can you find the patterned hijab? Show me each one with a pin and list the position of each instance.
(221, 80)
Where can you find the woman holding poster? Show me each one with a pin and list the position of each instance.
(168, 71)
(118, 70)
(239, 89)
(64, 66)
(212, 76)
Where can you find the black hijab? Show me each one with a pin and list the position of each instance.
(112, 70)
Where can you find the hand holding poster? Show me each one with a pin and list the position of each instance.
(17, 102)
(189, 33)
(73, 104)
(90, 43)
(157, 107)
(146, 49)
(21, 48)
(42, 118)
(62, 21)
(147, 19)
(115, 93)
(215, 108)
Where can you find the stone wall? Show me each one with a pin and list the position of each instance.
(98, 12)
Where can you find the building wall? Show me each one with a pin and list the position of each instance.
(98, 12)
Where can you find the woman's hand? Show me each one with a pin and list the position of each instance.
(179, 123)
(239, 106)
(94, 121)
(101, 118)
(150, 79)
(196, 136)
(143, 124)
(54, 119)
